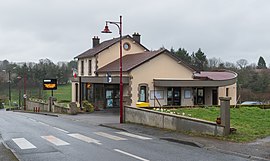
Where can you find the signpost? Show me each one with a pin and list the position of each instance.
(50, 84)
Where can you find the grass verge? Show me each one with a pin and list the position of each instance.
(251, 122)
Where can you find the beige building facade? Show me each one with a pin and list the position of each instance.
(156, 77)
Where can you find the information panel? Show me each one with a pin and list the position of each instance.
(49, 84)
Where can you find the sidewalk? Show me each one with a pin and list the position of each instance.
(6, 154)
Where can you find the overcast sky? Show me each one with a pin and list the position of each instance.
(61, 29)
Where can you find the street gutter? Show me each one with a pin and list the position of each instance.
(40, 113)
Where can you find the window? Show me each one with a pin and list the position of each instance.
(90, 67)
(142, 94)
(227, 92)
(76, 92)
(159, 94)
(187, 94)
(82, 67)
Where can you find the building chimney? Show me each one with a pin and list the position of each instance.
(95, 40)
(137, 37)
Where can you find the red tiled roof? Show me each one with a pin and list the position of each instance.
(102, 46)
(215, 75)
(130, 61)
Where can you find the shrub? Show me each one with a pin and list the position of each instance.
(1, 105)
(88, 107)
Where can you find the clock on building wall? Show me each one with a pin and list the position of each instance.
(126, 46)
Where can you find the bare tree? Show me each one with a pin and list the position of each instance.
(242, 63)
(214, 63)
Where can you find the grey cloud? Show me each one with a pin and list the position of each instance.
(61, 29)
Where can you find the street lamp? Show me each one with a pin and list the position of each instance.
(24, 90)
(19, 81)
(9, 91)
(106, 30)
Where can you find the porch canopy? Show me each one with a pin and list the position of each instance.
(191, 83)
(201, 79)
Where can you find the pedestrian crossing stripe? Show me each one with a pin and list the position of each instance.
(23, 143)
(85, 138)
(54, 140)
(113, 137)
(133, 135)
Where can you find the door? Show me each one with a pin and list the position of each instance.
(112, 95)
(200, 96)
(174, 96)
(214, 97)
(109, 98)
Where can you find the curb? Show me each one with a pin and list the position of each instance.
(185, 142)
(238, 154)
(6, 152)
(39, 113)
(113, 127)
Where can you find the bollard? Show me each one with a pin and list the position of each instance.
(225, 114)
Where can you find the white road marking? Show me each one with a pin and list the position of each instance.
(23, 143)
(54, 140)
(113, 137)
(61, 130)
(134, 136)
(43, 123)
(131, 155)
(32, 119)
(85, 138)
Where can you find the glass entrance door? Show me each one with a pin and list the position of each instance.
(214, 97)
(109, 98)
(112, 96)
(198, 96)
(174, 97)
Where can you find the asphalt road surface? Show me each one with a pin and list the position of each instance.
(41, 138)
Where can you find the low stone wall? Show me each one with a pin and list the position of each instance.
(44, 107)
(30, 105)
(171, 121)
(59, 109)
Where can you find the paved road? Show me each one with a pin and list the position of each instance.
(39, 137)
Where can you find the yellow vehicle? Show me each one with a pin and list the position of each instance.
(142, 104)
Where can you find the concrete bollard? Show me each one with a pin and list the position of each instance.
(225, 114)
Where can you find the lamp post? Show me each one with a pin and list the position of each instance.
(19, 81)
(106, 30)
(24, 90)
(9, 90)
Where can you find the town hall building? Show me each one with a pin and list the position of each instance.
(156, 77)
